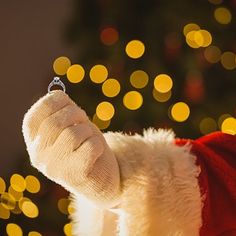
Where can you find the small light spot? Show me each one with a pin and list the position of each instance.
(61, 65)
(111, 87)
(223, 15)
(75, 73)
(133, 100)
(135, 49)
(139, 79)
(14, 230)
(30, 209)
(98, 74)
(32, 184)
(180, 111)
(163, 83)
(105, 111)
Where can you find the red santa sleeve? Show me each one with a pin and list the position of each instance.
(216, 156)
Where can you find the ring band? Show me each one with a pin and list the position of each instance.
(56, 81)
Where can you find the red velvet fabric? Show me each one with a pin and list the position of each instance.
(216, 155)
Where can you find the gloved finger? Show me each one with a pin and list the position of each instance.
(43, 108)
(72, 137)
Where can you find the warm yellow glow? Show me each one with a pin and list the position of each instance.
(133, 100)
(98, 73)
(228, 60)
(30, 209)
(8, 201)
(223, 15)
(71, 209)
(68, 229)
(207, 125)
(229, 126)
(15, 194)
(161, 97)
(163, 83)
(75, 73)
(14, 230)
(62, 205)
(2, 185)
(105, 111)
(190, 39)
(207, 38)
(139, 79)
(180, 111)
(190, 27)
(101, 124)
(22, 200)
(18, 182)
(4, 213)
(135, 49)
(198, 38)
(222, 118)
(34, 233)
(212, 54)
(32, 184)
(111, 88)
(61, 65)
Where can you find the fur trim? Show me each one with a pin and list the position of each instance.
(160, 191)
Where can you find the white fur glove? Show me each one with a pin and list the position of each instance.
(70, 150)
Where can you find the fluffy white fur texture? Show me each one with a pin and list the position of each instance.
(160, 191)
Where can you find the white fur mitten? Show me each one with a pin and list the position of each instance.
(70, 150)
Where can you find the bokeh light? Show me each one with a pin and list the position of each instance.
(62, 205)
(14, 230)
(111, 87)
(15, 194)
(207, 125)
(223, 15)
(4, 212)
(105, 111)
(8, 201)
(180, 111)
(109, 36)
(98, 73)
(229, 126)
(32, 184)
(161, 97)
(22, 200)
(34, 233)
(133, 100)
(75, 73)
(190, 27)
(2, 185)
(228, 60)
(163, 83)
(30, 209)
(61, 65)
(101, 124)
(68, 229)
(212, 54)
(198, 38)
(18, 182)
(135, 49)
(139, 79)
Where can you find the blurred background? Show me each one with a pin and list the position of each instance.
(130, 64)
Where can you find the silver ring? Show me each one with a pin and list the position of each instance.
(56, 81)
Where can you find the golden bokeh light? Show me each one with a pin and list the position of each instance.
(30, 209)
(8, 201)
(105, 111)
(180, 111)
(229, 126)
(75, 73)
(139, 79)
(15, 194)
(22, 200)
(212, 54)
(207, 125)
(223, 15)
(68, 229)
(228, 60)
(34, 233)
(61, 65)
(14, 230)
(198, 38)
(161, 97)
(135, 49)
(163, 83)
(111, 87)
(2, 185)
(62, 205)
(133, 100)
(32, 184)
(98, 74)
(18, 183)
(4, 212)
(71, 209)
(190, 39)
(190, 27)
(101, 124)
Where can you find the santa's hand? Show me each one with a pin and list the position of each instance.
(69, 149)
